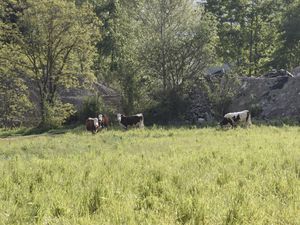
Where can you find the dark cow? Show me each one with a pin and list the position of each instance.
(235, 118)
(103, 121)
(134, 120)
(92, 124)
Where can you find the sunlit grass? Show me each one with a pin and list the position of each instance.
(152, 176)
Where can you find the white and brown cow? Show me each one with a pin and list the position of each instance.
(235, 118)
(134, 120)
(103, 121)
(92, 124)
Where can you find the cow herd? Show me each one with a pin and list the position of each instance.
(95, 124)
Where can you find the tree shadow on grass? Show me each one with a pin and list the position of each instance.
(22, 132)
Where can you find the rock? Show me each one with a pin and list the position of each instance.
(200, 106)
(277, 73)
(296, 71)
(266, 97)
(270, 98)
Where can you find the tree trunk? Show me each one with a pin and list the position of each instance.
(162, 39)
(250, 50)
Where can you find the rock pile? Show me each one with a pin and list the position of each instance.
(200, 107)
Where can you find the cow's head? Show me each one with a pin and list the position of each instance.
(224, 122)
(119, 117)
(100, 118)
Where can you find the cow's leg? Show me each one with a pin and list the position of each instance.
(249, 122)
(95, 130)
(141, 125)
(231, 123)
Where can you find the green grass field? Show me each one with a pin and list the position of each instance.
(152, 176)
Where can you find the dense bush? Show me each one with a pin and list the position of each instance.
(170, 108)
(57, 114)
(92, 107)
(220, 91)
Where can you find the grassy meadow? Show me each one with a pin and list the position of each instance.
(152, 176)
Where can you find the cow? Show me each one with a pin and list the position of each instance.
(134, 120)
(103, 121)
(235, 118)
(92, 124)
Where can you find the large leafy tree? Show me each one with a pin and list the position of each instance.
(288, 52)
(55, 40)
(248, 31)
(117, 62)
(14, 94)
(14, 101)
(179, 39)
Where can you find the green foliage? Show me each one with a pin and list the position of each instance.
(220, 91)
(56, 41)
(56, 114)
(152, 176)
(145, 48)
(288, 52)
(248, 32)
(139, 36)
(170, 107)
(14, 102)
(179, 42)
(92, 107)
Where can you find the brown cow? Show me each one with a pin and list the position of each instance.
(92, 124)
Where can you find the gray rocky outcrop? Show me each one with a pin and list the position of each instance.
(269, 98)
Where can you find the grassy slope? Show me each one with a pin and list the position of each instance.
(175, 176)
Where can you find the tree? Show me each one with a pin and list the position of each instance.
(56, 41)
(14, 94)
(179, 40)
(248, 31)
(117, 60)
(288, 52)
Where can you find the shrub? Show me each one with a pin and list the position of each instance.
(220, 91)
(57, 114)
(255, 110)
(92, 106)
(170, 108)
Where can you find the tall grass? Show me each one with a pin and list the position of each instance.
(152, 176)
